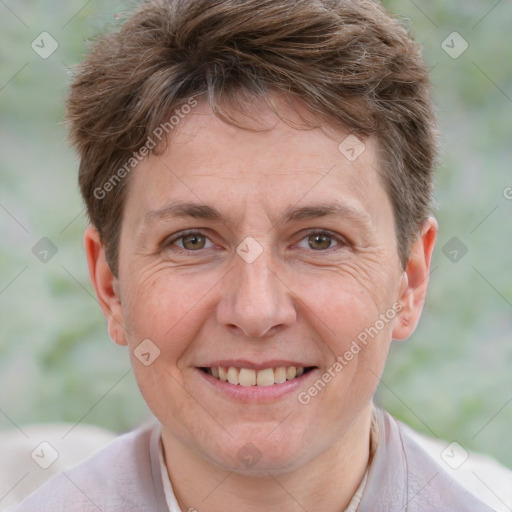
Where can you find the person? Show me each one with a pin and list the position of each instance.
(258, 176)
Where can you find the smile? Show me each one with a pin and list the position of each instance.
(250, 377)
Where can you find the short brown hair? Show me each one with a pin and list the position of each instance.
(347, 60)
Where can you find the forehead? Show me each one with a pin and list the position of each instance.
(273, 167)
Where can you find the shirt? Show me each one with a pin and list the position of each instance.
(172, 503)
(127, 476)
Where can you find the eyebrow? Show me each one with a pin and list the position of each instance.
(179, 209)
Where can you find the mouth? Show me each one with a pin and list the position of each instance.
(249, 377)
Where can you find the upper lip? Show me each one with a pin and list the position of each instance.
(242, 363)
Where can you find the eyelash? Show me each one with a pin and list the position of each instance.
(342, 242)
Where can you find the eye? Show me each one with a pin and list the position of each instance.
(190, 241)
(195, 241)
(322, 240)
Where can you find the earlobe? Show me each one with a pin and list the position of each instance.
(105, 285)
(413, 288)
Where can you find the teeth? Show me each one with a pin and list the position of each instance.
(246, 377)
(280, 375)
(265, 377)
(232, 375)
(249, 377)
(291, 373)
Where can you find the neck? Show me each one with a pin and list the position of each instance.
(327, 482)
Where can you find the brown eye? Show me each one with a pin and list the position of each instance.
(188, 241)
(320, 242)
(193, 241)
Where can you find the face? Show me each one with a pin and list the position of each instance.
(262, 252)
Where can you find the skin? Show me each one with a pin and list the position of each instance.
(301, 299)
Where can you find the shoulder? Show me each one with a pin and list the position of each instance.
(479, 474)
(403, 476)
(119, 475)
(430, 484)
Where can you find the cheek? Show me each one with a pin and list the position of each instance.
(161, 308)
(346, 304)
(355, 322)
(161, 299)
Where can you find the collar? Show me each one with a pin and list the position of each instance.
(172, 504)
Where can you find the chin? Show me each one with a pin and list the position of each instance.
(260, 455)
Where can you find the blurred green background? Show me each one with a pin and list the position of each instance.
(452, 379)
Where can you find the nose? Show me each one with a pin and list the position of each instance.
(255, 301)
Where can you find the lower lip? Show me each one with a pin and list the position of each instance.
(262, 394)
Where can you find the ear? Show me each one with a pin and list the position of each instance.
(105, 285)
(415, 281)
